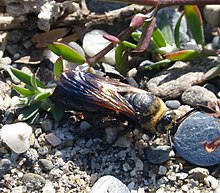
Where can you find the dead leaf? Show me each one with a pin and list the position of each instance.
(43, 39)
(71, 38)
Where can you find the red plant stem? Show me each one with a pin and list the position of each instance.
(92, 60)
(163, 3)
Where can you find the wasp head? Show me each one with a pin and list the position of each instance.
(167, 122)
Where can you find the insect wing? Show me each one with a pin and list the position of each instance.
(95, 89)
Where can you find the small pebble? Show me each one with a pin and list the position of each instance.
(198, 173)
(216, 43)
(160, 190)
(185, 188)
(33, 180)
(126, 167)
(31, 155)
(211, 181)
(158, 155)
(139, 165)
(133, 173)
(5, 61)
(89, 143)
(19, 189)
(124, 141)
(131, 185)
(47, 125)
(53, 139)
(84, 125)
(43, 150)
(162, 170)
(140, 190)
(182, 175)
(109, 184)
(4, 166)
(47, 165)
(173, 104)
(109, 69)
(49, 188)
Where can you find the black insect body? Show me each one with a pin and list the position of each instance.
(88, 92)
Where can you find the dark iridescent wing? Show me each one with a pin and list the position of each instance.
(97, 90)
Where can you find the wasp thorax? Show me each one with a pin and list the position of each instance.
(151, 110)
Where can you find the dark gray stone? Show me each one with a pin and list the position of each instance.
(192, 133)
(216, 43)
(4, 166)
(158, 154)
(173, 104)
(46, 165)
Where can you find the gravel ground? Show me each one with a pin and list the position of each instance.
(73, 154)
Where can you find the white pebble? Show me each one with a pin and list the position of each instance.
(93, 42)
(160, 190)
(185, 188)
(16, 136)
(48, 188)
(211, 181)
(141, 190)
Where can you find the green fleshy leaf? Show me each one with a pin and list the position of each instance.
(177, 31)
(155, 65)
(121, 58)
(58, 67)
(34, 82)
(29, 111)
(47, 105)
(26, 78)
(212, 73)
(159, 38)
(166, 28)
(42, 96)
(194, 21)
(23, 91)
(66, 52)
(129, 44)
(182, 55)
(153, 47)
(58, 112)
(136, 36)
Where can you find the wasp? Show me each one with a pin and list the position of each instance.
(83, 91)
